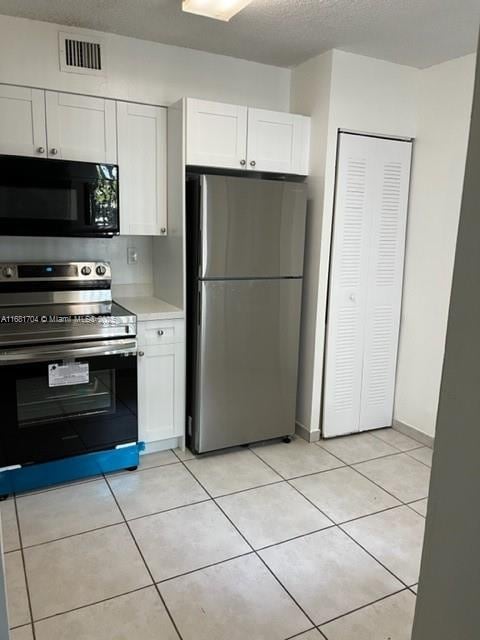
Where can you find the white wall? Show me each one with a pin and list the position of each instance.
(365, 95)
(138, 70)
(312, 98)
(444, 104)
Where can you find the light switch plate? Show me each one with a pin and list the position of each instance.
(132, 255)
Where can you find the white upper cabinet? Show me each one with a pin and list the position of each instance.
(142, 151)
(278, 142)
(216, 134)
(237, 137)
(22, 121)
(81, 128)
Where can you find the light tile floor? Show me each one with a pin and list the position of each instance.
(278, 541)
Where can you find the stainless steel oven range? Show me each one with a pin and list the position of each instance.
(68, 363)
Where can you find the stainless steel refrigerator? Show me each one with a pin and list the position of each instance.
(245, 245)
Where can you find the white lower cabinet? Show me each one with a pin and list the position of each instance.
(161, 382)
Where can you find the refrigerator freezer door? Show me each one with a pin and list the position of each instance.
(247, 358)
(251, 228)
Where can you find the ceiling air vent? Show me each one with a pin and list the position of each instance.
(81, 54)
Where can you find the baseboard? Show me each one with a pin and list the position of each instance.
(310, 436)
(414, 433)
(162, 445)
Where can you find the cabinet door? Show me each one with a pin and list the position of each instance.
(81, 128)
(161, 392)
(278, 142)
(22, 121)
(142, 160)
(216, 134)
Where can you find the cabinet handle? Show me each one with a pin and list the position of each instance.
(163, 230)
(253, 163)
(54, 151)
(243, 162)
(41, 149)
(141, 353)
(160, 332)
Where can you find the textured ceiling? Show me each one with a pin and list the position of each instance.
(418, 33)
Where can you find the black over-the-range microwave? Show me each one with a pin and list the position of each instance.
(40, 197)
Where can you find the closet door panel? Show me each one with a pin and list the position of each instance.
(348, 289)
(366, 274)
(385, 280)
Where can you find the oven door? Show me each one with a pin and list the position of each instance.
(63, 400)
(40, 197)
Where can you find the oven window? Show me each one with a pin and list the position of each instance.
(40, 203)
(37, 403)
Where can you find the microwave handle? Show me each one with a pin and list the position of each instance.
(26, 355)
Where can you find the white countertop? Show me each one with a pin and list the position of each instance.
(149, 308)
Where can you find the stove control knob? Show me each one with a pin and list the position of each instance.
(86, 271)
(8, 272)
(101, 270)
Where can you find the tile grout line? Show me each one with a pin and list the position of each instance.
(251, 547)
(405, 504)
(144, 562)
(107, 526)
(260, 486)
(299, 635)
(364, 606)
(334, 524)
(206, 566)
(374, 558)
(413, 457)
(287, 480)
(72, 535)
(254, 551)
(351, 538)
(396, 452)
(299, 492)
(90, 604)
(24, 565)
(283, 481)
(374, 432)
(86, 480)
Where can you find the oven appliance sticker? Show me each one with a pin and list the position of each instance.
(61, 375)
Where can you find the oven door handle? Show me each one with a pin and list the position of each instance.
(68, 351)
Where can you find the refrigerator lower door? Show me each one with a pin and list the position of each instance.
(247, 360)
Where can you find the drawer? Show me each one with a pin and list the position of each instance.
(152, 332)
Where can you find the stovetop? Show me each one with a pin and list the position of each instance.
(62, 302)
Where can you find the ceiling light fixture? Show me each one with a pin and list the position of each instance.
(217, 9)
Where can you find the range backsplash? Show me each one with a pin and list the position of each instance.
(113, 250)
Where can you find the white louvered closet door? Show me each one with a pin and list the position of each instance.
(365, 283)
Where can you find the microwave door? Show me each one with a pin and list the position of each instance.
(41, 197)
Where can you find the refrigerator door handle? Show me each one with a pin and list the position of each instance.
(199, 306)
